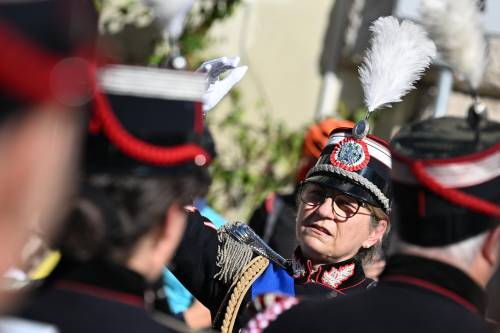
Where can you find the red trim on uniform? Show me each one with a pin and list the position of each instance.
(198, 117)
(453, 195)
(209, 224)
(269, 202)
(433, 287)
(340, 292)
(354, 285)
(310, 269)
(98, 292)
(318, 274)
(139, 149)
(421, 203)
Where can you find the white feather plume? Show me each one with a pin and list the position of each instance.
(455, 27)
(399, 54)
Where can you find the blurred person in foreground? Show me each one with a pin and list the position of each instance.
(342, 219)
(143, 164)
(45, 81)
(180, 301)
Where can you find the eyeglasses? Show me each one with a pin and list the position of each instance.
(343, 205)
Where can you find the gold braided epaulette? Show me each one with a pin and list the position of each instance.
(250, 273)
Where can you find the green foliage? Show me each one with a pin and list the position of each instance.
(201, 18)
(263, 158)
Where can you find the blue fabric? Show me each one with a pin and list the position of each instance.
(274, 280)
(178, 297)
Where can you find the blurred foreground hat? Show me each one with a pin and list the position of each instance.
(354, 162)
(446, 171)
(146, 120)
(47, 52)
(446, 180)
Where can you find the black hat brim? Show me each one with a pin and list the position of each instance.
(346, 186)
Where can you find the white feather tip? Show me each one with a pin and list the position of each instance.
(455, 26)
(399, 54)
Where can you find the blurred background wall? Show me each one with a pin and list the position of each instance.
(303, 58)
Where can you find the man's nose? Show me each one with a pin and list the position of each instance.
(326, 208)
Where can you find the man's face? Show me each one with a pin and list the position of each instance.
(37, 170)
(327, 233)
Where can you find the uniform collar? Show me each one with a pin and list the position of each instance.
(437, 277)
(337, 276)
(104, 279)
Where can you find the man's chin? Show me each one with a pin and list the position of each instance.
(313, 245)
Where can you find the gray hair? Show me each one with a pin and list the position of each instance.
(460, 254)
(377, 249)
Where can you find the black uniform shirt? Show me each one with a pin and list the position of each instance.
(414, 294)
(195, 265)
(95, 297)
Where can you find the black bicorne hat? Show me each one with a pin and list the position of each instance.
(146, 120)
(359, 167)
(446, 180)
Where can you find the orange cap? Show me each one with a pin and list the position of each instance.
(317, 135)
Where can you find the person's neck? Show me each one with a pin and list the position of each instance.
(319, 261)
(478, 271)
(144, 260)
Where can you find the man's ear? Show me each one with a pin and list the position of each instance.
(491, 247)
(172, 230)
(376, 234)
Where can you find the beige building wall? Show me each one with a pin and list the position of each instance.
(281, 42)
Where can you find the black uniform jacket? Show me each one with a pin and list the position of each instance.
(274, 221)
(95, 297)
(413, 295)
(197, 265)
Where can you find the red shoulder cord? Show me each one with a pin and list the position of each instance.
(453, 195)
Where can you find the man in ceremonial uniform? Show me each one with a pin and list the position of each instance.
(274, 219)
(342, 218)
(446, 175)
(344, 204)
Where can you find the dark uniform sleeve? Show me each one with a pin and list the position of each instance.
(207, 261)
(258, 220)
